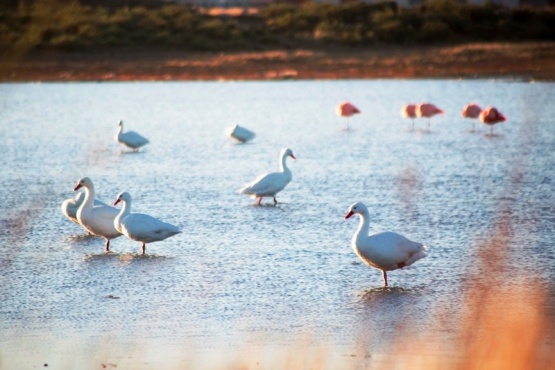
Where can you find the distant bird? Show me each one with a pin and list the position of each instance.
(346, 109)
(491, 116)
(409, 111)
(427, 110)
(272, 183)
(98, 220)
(140, 227)
(70, 206)
(471, 111)
(384, 251)
(240, 134)
(130, 139)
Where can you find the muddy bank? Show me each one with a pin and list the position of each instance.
(527, 61)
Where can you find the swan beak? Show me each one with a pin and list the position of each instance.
(116, 202)
(348, 215)
(77, 187)
(292, 156)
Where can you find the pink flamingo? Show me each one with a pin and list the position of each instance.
(491, 116)
(471, 111)
(346, 110)
(427, 110)
(409, 111)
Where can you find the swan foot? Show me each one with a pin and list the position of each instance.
(143, 247)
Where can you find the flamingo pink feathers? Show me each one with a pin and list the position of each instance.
(471, 111)
(427, 110)
(491, 116)
(409, 111)
(346, 109)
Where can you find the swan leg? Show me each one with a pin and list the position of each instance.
(275, 201)
(143, 247)
(384, 274)
(259, 200)
(107, 246)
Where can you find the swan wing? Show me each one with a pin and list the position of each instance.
(145, 228)
(267, 185)
(132, 139)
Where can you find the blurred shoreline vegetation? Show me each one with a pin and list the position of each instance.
(87, 25)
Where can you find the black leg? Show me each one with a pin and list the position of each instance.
(384, 278)
(275, 201)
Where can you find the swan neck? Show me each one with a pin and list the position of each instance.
(283, 165)
(364, 225)
(89, 197)
(126, 208)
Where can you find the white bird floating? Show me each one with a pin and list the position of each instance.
(97, 220)
(240, 134)
(70, 206)
(140, 227)
(130, 139)
(270, 184)
(385, 251)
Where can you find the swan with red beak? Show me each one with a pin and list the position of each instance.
(385, 251)
(270, 184)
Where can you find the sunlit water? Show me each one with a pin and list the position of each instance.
(240, 273)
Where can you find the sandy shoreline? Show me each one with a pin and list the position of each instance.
(522, 61)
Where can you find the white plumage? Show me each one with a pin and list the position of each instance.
(140, 227)
(97, 220)
(130, 139)
(385, 251)
(240, 134)
(270, 184)
(70, 206)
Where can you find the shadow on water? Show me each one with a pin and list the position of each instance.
(126, 152)
(79, 238)
(378, 294)
(279, 205)
(124, 258)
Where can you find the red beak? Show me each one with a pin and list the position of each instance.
(116, 202)
(292, 156)
(349, 214)
(79, 186)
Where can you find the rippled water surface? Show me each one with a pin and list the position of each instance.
(241, 273)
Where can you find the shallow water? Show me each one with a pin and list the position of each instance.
(242, 274)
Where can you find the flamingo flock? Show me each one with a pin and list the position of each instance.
(489, 116)
(385, 251)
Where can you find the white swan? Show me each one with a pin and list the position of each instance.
(240, 134)
(70, 206)
(98, 220)
(385, 251)
(272, 183)
(140, 227)
(130, 139)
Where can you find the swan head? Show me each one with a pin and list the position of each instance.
(287, 153)
(356, 208)
(120, 123)
(85, 182)
(122, 197)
